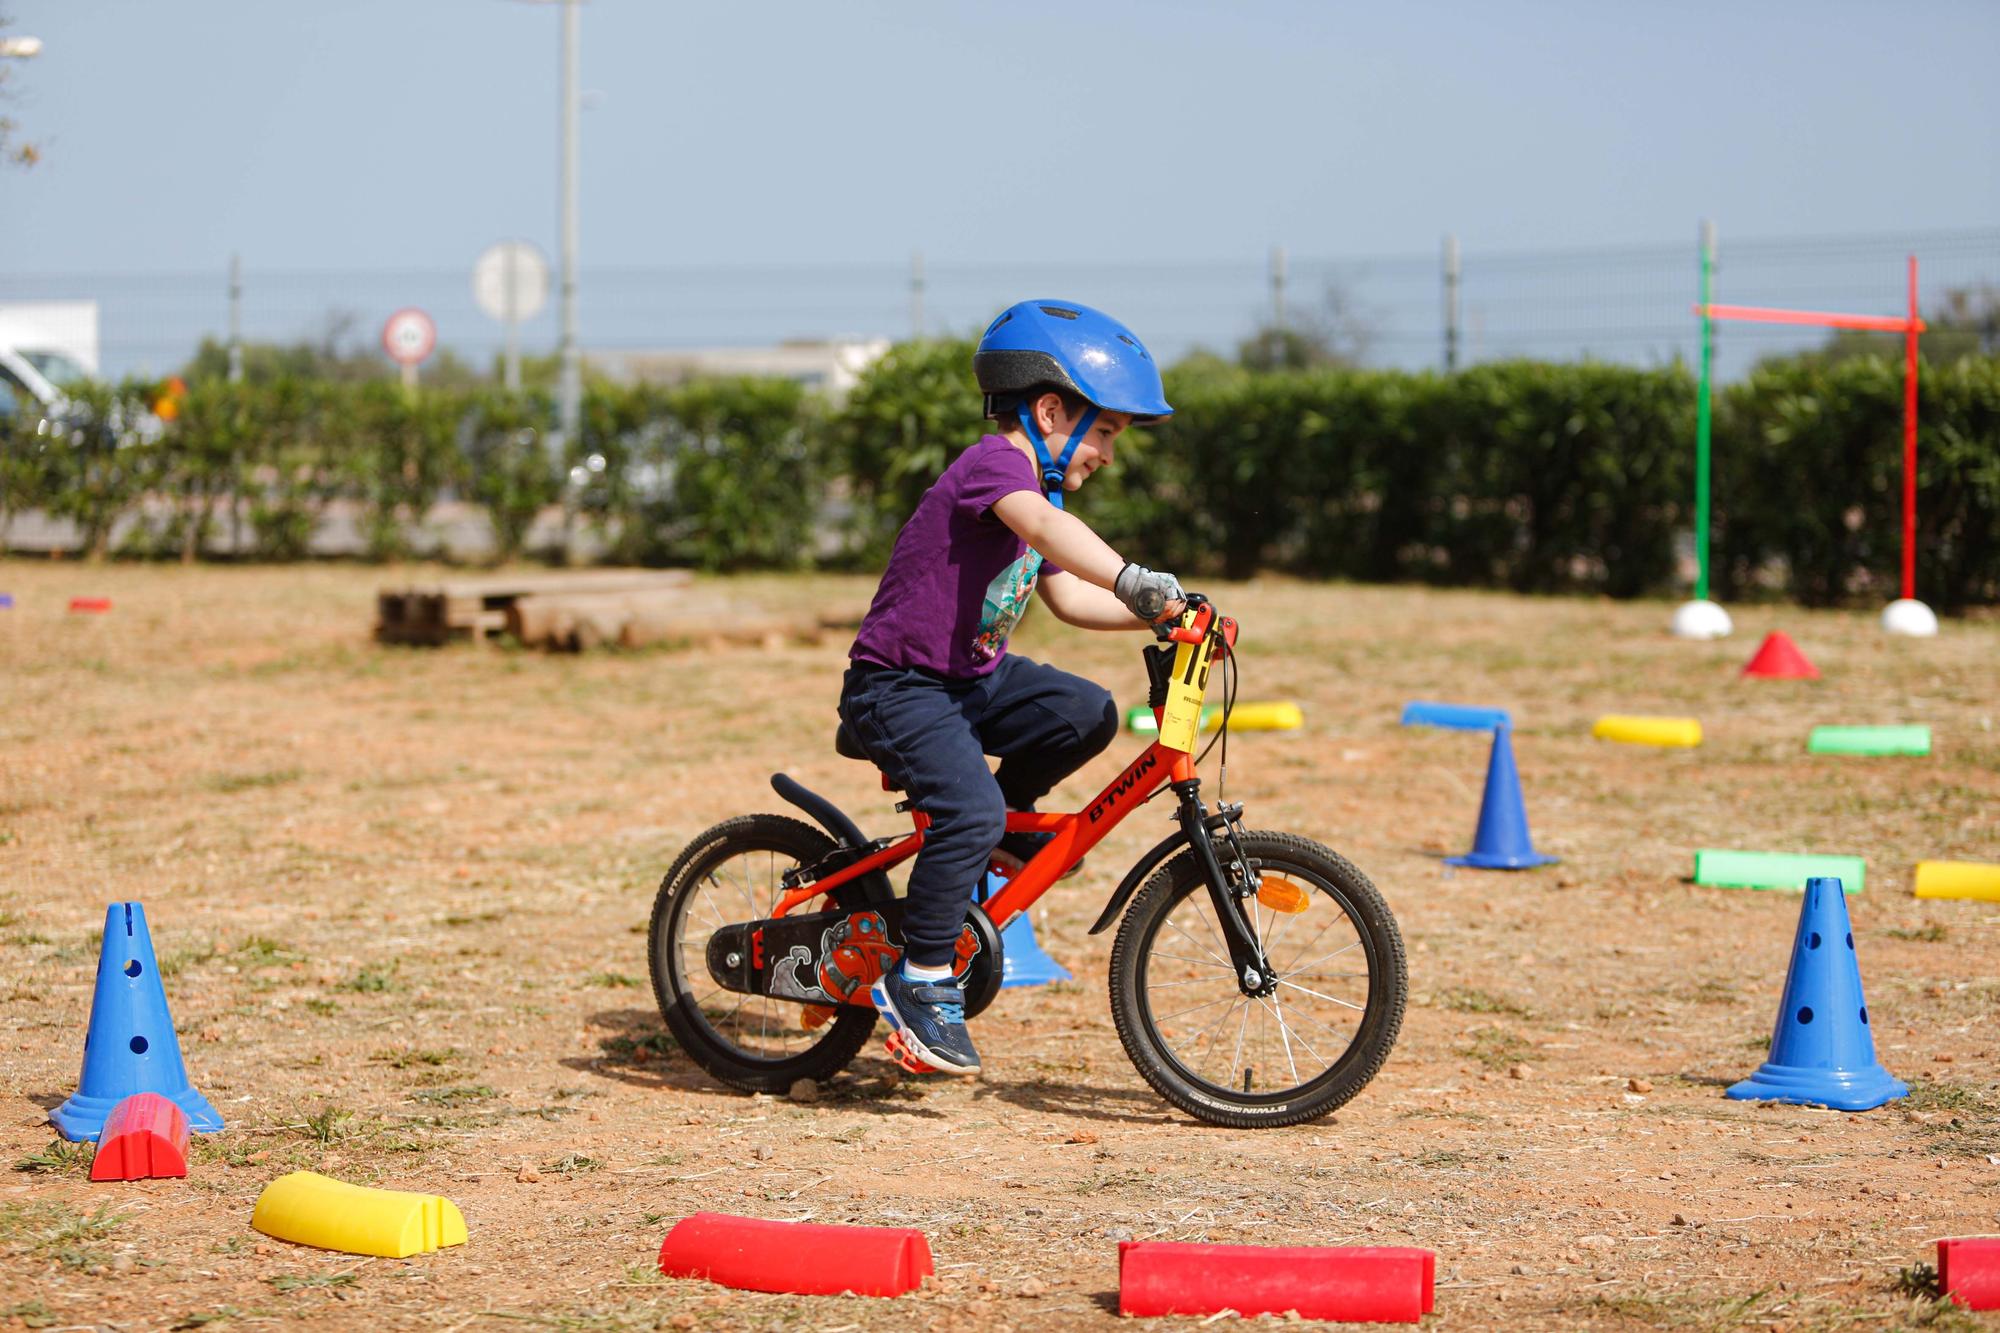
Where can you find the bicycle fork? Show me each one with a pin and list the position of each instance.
(1231, 881)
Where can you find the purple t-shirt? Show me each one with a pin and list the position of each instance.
(958, 579)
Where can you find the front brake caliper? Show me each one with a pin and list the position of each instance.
(1244, 880)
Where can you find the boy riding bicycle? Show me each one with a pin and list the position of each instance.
(932, 690)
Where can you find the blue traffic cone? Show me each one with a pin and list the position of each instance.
(1822, 1052)
(1502, 842)
(1022, 961)
(131, 1046)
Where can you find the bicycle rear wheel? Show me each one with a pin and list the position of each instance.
(1290, 1056)
(731, 874)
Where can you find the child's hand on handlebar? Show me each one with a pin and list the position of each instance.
(1149, 594)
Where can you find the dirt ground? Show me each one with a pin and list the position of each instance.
(399, 898)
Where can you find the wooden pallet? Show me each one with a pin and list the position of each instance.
(577, 622)
(476, 609)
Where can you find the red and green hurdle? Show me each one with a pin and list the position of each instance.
(1703, 618)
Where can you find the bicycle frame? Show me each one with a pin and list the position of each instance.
(1169, 760)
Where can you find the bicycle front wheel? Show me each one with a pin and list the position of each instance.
(1285, 1057)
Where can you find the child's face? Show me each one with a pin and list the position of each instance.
(1094, 450)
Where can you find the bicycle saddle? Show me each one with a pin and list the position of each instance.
(846, 746)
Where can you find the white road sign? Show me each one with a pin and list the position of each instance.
(510, 281)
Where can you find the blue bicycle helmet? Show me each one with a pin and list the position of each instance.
(1044, 345)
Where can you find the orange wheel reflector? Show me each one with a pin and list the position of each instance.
(815, 1016)
(1281, 895)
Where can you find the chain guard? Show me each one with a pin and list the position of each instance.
(828, 958)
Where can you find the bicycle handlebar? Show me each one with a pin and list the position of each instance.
(1206, 620)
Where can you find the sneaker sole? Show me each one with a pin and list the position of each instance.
(904, 1048)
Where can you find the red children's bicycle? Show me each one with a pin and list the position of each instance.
(1257, 979)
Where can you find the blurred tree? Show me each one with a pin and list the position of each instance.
(1335, 335)
(12, 149)
(338, 355)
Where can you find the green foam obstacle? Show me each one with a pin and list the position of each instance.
(1774, 870)
(1869, 740)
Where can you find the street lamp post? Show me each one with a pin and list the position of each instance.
(569, 389)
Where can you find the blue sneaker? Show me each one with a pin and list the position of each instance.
(927, 1022)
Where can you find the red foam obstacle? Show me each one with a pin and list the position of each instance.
(1347, 1283)
(797, 1258)
(1778, 658)
(145, 1138)
(1969, 1271)
(89, 604)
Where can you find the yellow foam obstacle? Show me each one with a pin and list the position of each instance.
(312, 1209)
(1682, 732)
(1958, 879)
(1278, 716)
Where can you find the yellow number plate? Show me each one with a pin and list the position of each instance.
(1180, 721)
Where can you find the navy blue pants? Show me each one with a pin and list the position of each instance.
(931, 735)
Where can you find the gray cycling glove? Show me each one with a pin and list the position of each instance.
(1146, 592)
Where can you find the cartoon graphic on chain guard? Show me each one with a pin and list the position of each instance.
(824, 958)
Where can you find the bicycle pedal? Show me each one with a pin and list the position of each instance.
(901, 1054)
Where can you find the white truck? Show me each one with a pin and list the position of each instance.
(44, 346)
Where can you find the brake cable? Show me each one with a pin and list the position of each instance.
(1229, 680)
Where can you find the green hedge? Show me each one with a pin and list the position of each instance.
(722, 473)
(1524, 475)
(1809, 474)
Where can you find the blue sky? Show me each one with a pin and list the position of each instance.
(410, 133)
(759, 171)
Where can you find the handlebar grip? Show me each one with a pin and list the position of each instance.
(1150, 604)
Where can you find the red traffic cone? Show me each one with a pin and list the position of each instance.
(1778, 658)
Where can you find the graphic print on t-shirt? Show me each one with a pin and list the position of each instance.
(1006, 602)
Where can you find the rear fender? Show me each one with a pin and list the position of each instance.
(874, 888)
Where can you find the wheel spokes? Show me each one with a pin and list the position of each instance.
(1264, 1039)
(757, 1027)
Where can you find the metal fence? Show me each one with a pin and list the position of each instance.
(1623, 303)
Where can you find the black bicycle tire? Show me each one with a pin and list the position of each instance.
(845, 1033)
(1350, 1073)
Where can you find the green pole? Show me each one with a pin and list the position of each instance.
(1701, 415)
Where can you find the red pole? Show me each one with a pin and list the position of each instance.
(1910, 443)
(1818, 318)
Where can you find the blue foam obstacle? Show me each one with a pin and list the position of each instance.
(1022, 960)
(1458, 717)
(131, 1046)
(1822, 1049)
(1502, 841)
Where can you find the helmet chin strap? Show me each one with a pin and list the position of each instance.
(1054, 471)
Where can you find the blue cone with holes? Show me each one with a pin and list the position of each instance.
(1022, 960)
(131, 1046)
(1822, 1050)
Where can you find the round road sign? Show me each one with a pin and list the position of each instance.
(510, 281)
(409, 336)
